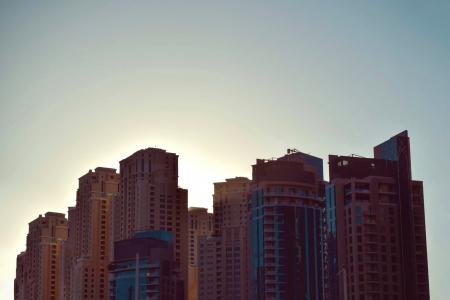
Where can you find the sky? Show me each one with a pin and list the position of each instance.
(221, 83)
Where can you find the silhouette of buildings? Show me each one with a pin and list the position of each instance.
(376, 226)
(86, 252)
(286, 228)
(144, 267)
(38, 270)
(200, 225)
(150, 199)
(285, 234)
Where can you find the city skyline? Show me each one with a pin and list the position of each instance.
(84, 85)
(295, 175)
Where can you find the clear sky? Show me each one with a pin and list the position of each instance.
(221, 83)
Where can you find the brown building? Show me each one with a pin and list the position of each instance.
(38, 272)
(286, 228)
(376, 226)
(150, 199)
(86, 252)
(227, 276)
(230, 201)
(200, 225)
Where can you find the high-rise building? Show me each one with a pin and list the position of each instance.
(144, 267)
(210, 282)
(200, 225)
(150, 199)
(21, 277)
(223, 257)
(286, 228)
(86, 252)
(230, 202)
(38, 272)
(376, 226)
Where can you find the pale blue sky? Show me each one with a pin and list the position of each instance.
(220, 83)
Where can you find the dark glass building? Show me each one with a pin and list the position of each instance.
(286, 225)
(376, 242)
(144, 267)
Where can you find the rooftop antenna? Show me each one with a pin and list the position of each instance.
(292, 150)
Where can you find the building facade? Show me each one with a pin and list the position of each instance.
(200, 225)
(286, 228)
(376, 226)
(223, 257)
(144, 267)
(38, 270)
(230, 202)
(86, 252)
(150, 199)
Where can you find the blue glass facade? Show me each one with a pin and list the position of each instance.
(162, 235)
(287, 249)
(137, 277)
(256, 241)
(330, 236)
(144, 268)
(387, 150)
(331, 209)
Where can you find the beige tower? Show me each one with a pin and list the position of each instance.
(231, 224)
(38, 268)
(86, 253)
(150, 199)
(200, 225)
(210, 268)
(229, 245)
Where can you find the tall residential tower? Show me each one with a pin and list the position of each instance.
(230, 201)
(38, 270)
(376, 226)
(150, 199)
(223, 257)
(286, 228)
(86, 252)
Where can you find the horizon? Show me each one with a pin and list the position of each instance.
(209, 208)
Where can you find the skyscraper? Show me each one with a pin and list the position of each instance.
(230, 201)
(200, 225)
(223, 257)
(286, 228)
(376, 226)
(38, 270)
(150, 199)
(86, 252)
